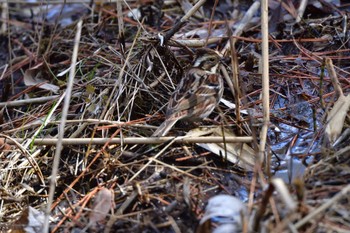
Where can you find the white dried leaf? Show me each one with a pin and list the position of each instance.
(240, 154)
(336, 118)
(31, 78)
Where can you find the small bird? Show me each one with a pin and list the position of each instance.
(197, 94)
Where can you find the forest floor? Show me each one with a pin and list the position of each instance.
(83, 87)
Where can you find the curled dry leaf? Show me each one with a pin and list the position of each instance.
(336, 118)
(240, 154)
(3, 145)
(32, 78)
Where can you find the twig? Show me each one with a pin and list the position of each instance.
(16, 103)
(334, 77)
(301, 10)
(4, 15)
(228, 80)
(121, 34)
(183, 21)
(243, 23)
(276, 184)
(323, 207)
(133, 140)
(265, 78)
(61, 131)
(150, 161)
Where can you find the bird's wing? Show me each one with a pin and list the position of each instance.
(196, 91)
(186, 89)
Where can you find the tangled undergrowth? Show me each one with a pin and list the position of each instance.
(123, 79)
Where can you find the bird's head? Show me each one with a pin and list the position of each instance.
(207, 59)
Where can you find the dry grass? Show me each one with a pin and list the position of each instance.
(121, 84)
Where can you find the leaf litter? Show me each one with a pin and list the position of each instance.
(123, 80)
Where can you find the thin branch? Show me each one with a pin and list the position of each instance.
(242, 25)
(334, 77)
(265, 77)
(183, 20)
(343, 193)
(62, 127)
(134, 140)
(301, 10)
(39, 100)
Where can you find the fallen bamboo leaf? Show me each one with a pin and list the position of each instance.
(31, 78)
(336, 118)
(237, 153)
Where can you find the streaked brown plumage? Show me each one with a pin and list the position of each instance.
(198, 93)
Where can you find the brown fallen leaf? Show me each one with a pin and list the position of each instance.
(4, 146)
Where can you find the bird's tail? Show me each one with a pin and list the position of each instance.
(164, 128)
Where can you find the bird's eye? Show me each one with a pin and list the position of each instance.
(212, 59)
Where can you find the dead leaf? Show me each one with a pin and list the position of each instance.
(32, 78)
(336, 118)
(237, 153)
(4, 146)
